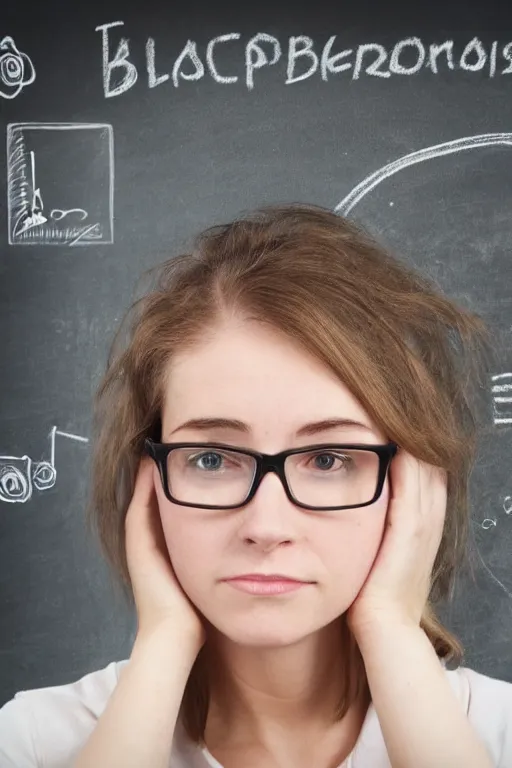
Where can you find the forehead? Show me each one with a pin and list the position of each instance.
(250, 372)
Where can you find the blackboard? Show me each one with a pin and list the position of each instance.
(129, 128)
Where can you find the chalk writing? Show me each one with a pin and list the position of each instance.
(502, 398)
(16, 69)
(303, 59)
(87, 149)
(19, 475)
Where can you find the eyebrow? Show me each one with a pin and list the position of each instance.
(312, 428)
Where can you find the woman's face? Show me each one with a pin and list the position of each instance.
(250, 373)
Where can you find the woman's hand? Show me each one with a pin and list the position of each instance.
(397, 587)
(159, 598)
(433, 729)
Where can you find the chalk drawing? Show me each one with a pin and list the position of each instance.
(502, 398)
(34, 213)
(492, 523)
(16, 69)
(493, 576)
(19, 475)
(57, 213)
(50, 162)
(420, 156)
(502, 383)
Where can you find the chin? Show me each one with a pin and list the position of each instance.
(265, 629)
(264, 637)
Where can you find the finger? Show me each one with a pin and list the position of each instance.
(404, 481)
(148, 546)
(439, 499)
(433, 489)
(433, 504)
(142, 489)
(143, 527)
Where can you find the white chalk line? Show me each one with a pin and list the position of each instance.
(428, 153)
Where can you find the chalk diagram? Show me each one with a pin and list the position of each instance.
(60, 184)
(16, 69)
(501, 384)
(19, 475)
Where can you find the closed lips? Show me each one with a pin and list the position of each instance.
(264, 577)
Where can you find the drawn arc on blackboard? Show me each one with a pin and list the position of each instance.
(420, 156)
(427, 153)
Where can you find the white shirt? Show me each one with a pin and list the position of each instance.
(47, 727)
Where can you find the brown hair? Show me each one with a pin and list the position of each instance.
(414, 359)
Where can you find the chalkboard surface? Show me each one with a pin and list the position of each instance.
(128, 129)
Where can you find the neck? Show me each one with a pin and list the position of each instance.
(256, 693)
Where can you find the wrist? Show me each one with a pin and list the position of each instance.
(376, 632)
(164, 644)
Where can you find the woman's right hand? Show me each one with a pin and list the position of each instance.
(159, 598)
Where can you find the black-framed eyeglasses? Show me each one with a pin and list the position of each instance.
(220, 476)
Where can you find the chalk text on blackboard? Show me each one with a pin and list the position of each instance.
(304, 58)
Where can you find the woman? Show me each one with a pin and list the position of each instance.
(283, 446)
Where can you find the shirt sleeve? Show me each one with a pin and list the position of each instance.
(47, 727)
(490, 712)
(17, 748)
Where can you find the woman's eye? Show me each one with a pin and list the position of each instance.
(210, 460)
(327, 460)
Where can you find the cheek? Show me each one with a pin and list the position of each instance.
(352, 549)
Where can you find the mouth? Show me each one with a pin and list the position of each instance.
(266, 585)
(267, 577)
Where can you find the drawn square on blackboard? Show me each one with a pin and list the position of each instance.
(60, 183)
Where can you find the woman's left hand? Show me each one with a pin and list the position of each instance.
(398, 585)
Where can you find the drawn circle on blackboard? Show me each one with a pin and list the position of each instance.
(16, 69)
(44, 475)
(14, 483)
(11, 69)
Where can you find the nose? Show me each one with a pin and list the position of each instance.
(269, 520)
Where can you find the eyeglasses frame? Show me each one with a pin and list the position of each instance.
(266, 462)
